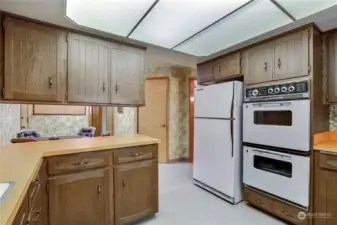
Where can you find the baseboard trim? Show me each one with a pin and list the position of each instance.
(177, 160)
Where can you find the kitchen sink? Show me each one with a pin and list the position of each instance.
(5, 189)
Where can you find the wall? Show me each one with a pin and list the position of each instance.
(56, 125)
(9, 122)
(125, 122)
(333, 117)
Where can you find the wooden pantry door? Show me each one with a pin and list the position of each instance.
(153, 116)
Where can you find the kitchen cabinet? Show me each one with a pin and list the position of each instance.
(325, 192)
(88, 69)
(228, 66)
(34, 62)
(21, 217)
(292, 56)
(259, 63)
(136, 192)
(80, 198)
(127, 75)
(332, 74)
(206, 72)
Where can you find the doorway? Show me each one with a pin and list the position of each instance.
(152, 118)
(192, 85)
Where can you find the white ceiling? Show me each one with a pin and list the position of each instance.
(183, 25)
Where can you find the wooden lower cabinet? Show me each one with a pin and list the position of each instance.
(325, 192)
(136, 190)
(274, 206)
(21, 217)
(80, 198)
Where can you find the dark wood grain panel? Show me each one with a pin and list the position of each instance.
(135, 154)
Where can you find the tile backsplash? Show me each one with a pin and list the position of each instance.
(333, 117)
(9, 122)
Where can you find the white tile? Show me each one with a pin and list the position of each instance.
(182, 203)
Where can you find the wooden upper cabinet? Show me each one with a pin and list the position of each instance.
(80, 198)
(34, 61)
(206, 72)
(88, 69)
(127, 75)
(332, 76)
(136, 193)
(292, 56)
(228, 66)
(258, 64)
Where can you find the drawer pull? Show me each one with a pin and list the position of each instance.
(259, 202)
(137, 154)
(286, 214)
(82, 163)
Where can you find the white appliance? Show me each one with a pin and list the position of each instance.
(218, 139)
(281, 174)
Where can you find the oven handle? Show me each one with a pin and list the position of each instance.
(268, 153)
(259, 105)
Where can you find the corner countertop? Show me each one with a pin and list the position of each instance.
(326, 141)
(19, 163)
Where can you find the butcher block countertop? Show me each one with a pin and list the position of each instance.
(326, 141)
(19, 163)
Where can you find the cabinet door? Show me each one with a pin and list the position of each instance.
(21, 217)
(81, 198)
(34, 62)
(228, 66)
(292, 56)
(258, 65)
(88, 69)
(326, 197)
(127, 75)
(206, 72)
(136, 191)
(333, 68)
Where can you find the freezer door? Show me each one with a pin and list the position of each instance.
(213, 155)
(214, 101)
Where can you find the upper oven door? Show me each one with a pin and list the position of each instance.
(279, 124)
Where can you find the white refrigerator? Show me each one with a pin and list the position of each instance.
(217, 165)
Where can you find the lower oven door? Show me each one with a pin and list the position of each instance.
(283, 124)
(280, 174)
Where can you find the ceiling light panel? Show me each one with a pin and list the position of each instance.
(252, 20)
(113, 16)
(303, 8)
(172, 21)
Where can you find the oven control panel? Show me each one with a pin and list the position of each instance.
(286, 91)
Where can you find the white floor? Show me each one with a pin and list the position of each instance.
(182, 203)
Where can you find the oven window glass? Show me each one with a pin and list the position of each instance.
(278, 118)
(273, 166)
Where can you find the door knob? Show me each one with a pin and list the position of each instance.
(163, 125)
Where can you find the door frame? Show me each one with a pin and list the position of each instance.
(167, 111)
(191, 118)
(95, 119)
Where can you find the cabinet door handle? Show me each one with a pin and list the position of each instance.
(116, 88)
(279, 63)
(50, 82)
(123, 183)
(37, 215)
(212, 70)
(104, 87)
(265, 66)
(219, 68)
(99, 189)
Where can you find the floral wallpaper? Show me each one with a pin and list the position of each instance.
(9, 122)
(58, 125)
(125, 122)
(333, 117)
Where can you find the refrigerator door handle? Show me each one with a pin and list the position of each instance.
(232, 114)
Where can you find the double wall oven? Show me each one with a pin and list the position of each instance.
(276, 135)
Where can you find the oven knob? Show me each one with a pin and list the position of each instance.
(277, 90)
(255, 92)
(284, 89)
(291, 88)
(270, 91)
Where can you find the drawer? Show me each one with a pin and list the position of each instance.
(328, 161)
(258, 200)
(135, 154)
(289, 213)
(33, 190)
(77, 162)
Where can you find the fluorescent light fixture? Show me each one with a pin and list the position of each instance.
(252, 20)
(303, 8)
(172, 21)
(113, 16)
